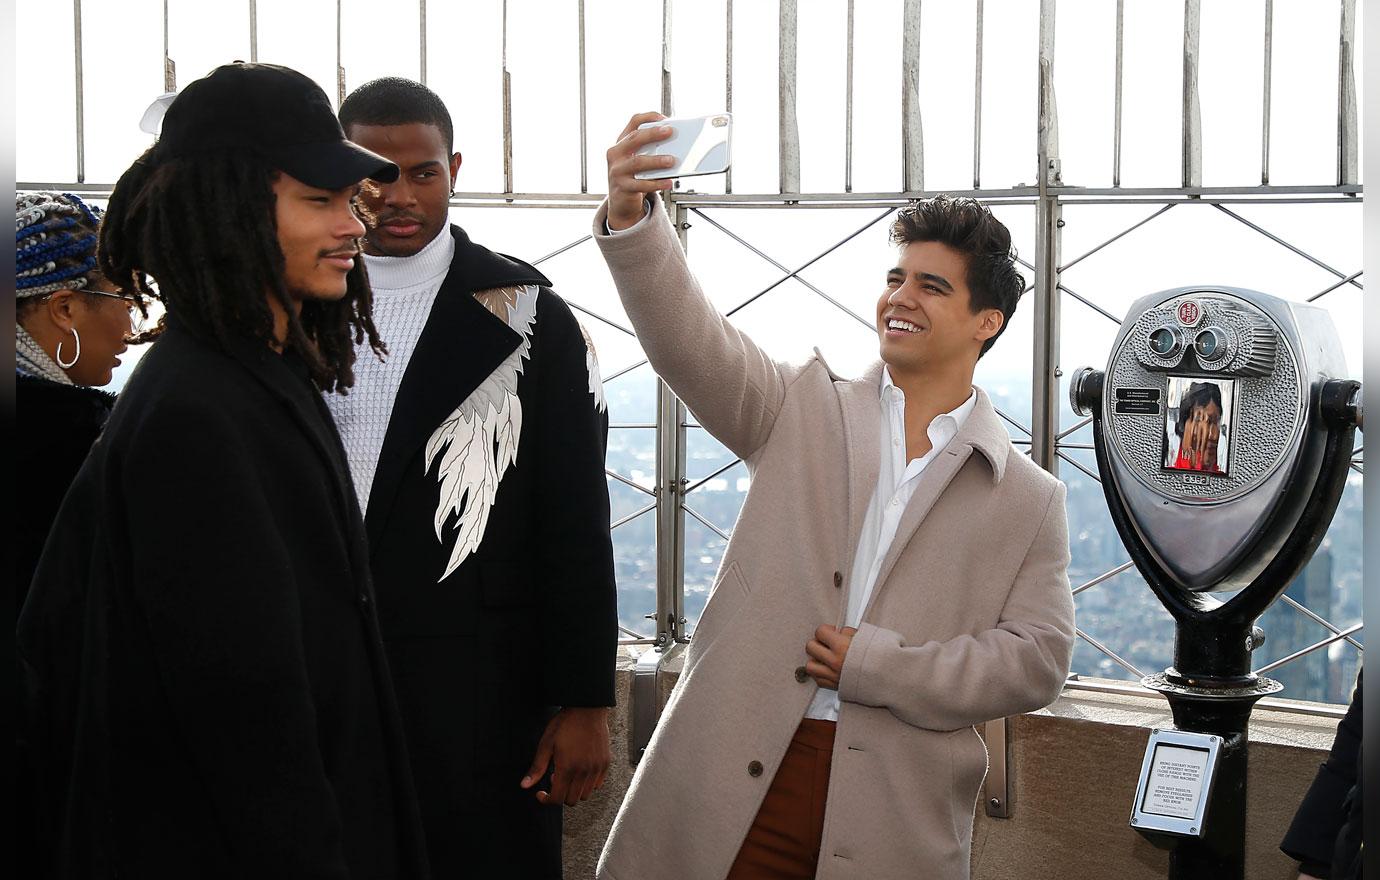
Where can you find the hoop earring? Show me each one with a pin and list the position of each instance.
(73, 362)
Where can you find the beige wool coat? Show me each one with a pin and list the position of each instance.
(971, 618)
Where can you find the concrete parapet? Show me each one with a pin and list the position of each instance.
(1074, 767)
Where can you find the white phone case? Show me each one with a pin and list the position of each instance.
(701, 145)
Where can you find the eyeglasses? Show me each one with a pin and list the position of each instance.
(138, 307)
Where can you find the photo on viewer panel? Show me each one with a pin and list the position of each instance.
(1198, 424)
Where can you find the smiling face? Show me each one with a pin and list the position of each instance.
(318, 232)
(925, 317)
(414, 209)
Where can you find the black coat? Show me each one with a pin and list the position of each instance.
(204, 676)
(1325, 836)
(526, 623)
(58, 424)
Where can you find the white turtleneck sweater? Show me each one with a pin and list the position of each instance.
(404, 290)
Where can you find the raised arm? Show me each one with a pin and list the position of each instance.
(727, 381)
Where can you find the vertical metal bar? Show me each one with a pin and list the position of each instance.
(169, 68)
(421, 38)
(996, 788)
(1116, 116)
(339, 58)
(1346, 98)
(666, 104)
(81, 98)
(1044, 413)
(1048, 223)
(670, 496)
(1267, 86)
(253, 30)
(670, 515)
(728, 81)
(584, 128)
(912, 138)
(977, 101)
(1047, 138)
(507, 110)
(848, 110)
(1192, 126)
(788, 137)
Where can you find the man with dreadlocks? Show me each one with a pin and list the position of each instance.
(478, 454)
(204, 676)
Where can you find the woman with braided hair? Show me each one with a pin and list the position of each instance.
(71, 327)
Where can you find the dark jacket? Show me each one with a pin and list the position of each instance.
(1325, 836)
(203, 671)
(525, 624)
(58, 423)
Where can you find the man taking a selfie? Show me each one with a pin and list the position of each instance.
(897, 574)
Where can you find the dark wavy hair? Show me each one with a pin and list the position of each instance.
(205, 229)
(968, 227)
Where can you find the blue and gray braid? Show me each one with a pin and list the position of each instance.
(55, 243)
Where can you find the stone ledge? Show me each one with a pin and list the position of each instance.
(1273, 726)
(1074, 770)
(1074, 767)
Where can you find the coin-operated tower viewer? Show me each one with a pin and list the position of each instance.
(1223, 428)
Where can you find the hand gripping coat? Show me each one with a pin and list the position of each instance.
(971, 618)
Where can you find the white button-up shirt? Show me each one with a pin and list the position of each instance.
(897, 480)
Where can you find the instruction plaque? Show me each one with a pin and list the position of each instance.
(1176, 782)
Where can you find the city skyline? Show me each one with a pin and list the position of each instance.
(1120, 612)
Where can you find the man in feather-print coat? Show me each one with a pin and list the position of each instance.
(477, 448)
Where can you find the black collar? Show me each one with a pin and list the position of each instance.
(477, 268)
(286, 377)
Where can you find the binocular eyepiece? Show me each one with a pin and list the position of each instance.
(1212, 419)
(1223, 426)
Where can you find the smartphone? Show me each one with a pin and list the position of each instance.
(700, 145)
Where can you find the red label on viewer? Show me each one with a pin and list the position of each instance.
(1189, 312)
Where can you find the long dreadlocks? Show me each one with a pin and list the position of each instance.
(204, 228)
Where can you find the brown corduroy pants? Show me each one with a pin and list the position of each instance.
(783, 842)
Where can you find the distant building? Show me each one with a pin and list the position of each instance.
(1287, 631)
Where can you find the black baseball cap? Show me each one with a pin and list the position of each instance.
(276, 113)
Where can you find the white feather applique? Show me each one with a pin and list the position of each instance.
(596, 383)
(478, 442)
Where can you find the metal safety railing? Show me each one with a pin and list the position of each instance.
(1049, 443)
